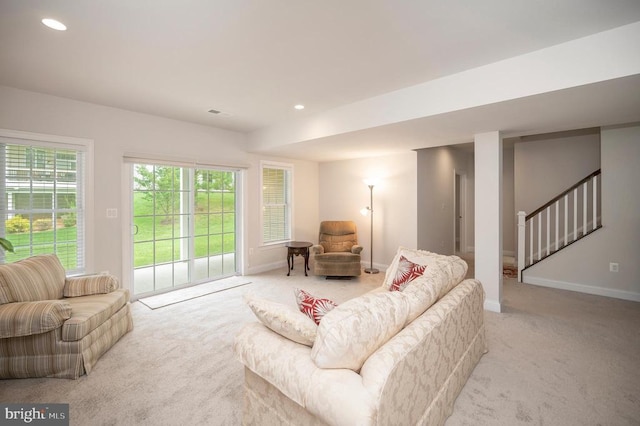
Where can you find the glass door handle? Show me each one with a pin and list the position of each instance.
(135, 227)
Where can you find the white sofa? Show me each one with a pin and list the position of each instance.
(384, 358)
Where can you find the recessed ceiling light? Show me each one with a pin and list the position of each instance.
(298, 107)
(53, 24)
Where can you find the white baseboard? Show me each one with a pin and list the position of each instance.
(492, 306)
(581, 288)
(266, 268)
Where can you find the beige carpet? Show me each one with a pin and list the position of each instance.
(555, 358)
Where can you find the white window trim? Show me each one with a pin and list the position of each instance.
(277, 165)
(80, 144)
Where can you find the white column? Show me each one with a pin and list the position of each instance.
(488, 216)
(522, 228)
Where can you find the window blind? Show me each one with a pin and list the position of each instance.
(276, 206)
(43, 203)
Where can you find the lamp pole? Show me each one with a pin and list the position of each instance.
(371, 270)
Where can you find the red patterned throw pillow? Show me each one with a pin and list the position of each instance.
(407, 272)
(314, 307)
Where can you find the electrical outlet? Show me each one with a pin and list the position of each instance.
(614, 267)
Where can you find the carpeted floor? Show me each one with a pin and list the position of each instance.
(555, 358)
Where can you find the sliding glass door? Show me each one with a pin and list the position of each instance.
(184, 226)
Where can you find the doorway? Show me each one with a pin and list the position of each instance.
(460, 212)
(184, 226)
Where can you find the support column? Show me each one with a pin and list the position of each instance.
(488, 217)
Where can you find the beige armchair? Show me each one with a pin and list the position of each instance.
(338, 252)
(57, 326)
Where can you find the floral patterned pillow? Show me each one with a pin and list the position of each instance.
(407, 271)
(314, 307)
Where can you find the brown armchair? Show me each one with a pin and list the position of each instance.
(338, 252)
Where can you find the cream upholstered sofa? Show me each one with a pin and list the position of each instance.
(54, 326)
(384, 358)
(337, 253)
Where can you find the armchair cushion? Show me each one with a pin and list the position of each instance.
(89, 312)
(90, 284)
(36, 278)
(27, 318)
(338, 235)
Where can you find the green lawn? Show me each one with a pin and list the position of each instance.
(214, 233)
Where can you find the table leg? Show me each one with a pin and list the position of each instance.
(306, 262)
(289, 262)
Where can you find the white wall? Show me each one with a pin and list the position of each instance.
(343, 194)
(584, 266)
(116, 132)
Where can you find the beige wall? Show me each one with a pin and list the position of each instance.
(343, 194)
(116, 132)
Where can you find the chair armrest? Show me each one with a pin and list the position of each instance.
(26, 318)
(356, 249)
(90, 284)
(317, 249)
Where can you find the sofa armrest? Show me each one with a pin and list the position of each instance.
(26, 318)
(336, 396)
(317, 249)
(356, 249)
(87, 285)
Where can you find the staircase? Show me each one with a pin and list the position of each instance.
(567, 218)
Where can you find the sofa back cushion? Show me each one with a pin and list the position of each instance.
(36, 278)
(440, 274)
(351, 332)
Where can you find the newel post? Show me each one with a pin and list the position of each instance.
(521, 242)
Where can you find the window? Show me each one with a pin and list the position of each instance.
(42, 200)
(276, 202)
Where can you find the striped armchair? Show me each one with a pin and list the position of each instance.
(54, 326)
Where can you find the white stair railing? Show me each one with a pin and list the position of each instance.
(567, 218)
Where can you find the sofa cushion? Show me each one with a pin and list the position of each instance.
(452, 266)
(349, 333)
(284, 320)
(313, 307)
(35, 278)
(27, 318)
(89, 312)
(440, 275)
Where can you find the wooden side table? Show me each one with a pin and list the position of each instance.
(298, 248)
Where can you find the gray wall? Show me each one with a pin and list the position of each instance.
(546, 165)
(436, 181)
(584, 266)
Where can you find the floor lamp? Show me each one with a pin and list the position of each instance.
(365, 211)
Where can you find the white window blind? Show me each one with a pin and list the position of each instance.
(43, 204)
(276, 203)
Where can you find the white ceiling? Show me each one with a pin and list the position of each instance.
(256, 59)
